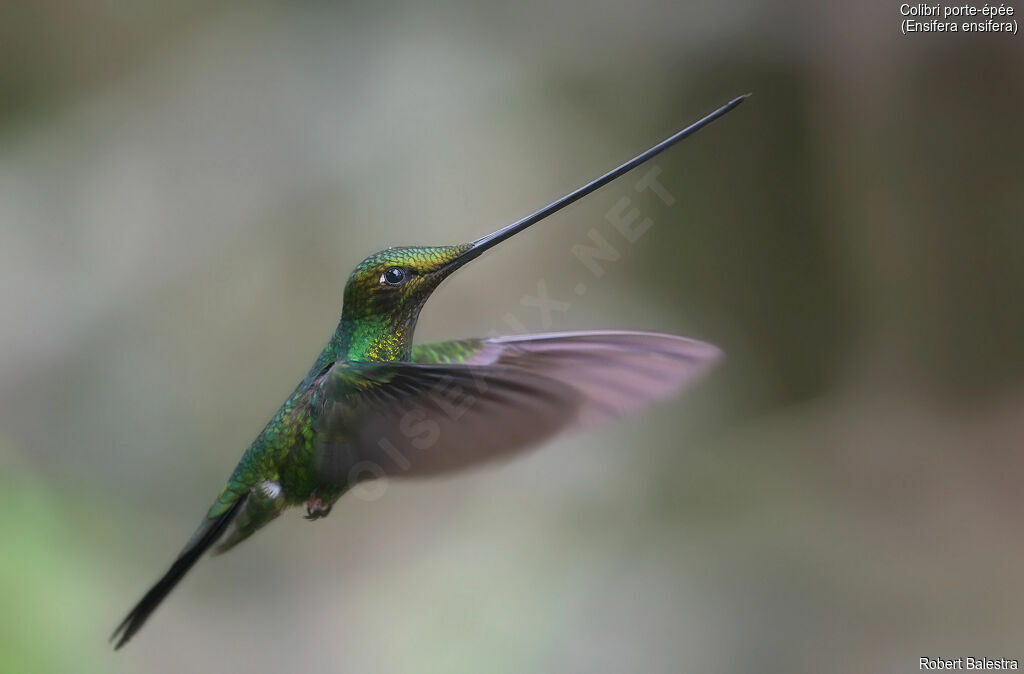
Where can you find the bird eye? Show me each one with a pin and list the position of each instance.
(393, 276)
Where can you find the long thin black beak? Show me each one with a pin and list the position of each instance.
(491, 240)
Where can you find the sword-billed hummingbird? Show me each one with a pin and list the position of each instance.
(375, 405)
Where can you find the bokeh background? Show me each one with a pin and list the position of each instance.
(185, 186)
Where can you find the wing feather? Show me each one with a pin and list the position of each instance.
(467, 402)
(616, 372)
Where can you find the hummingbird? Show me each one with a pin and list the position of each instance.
(375, 405)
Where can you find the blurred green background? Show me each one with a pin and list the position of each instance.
(184, 188)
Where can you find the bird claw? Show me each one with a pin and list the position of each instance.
(315, 508)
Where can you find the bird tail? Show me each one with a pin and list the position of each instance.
(204, 537)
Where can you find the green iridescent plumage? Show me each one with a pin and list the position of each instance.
(455, 351)
(377, 324)
(373, 405)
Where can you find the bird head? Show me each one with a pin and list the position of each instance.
(398, 281)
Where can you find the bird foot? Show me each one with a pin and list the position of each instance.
(315, 508)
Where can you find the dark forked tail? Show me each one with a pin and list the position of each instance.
(200, 543)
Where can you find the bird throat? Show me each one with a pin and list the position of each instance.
(378, 338)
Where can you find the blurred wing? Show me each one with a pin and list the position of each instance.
(614, 372)
(405, 419)
(467, 402)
